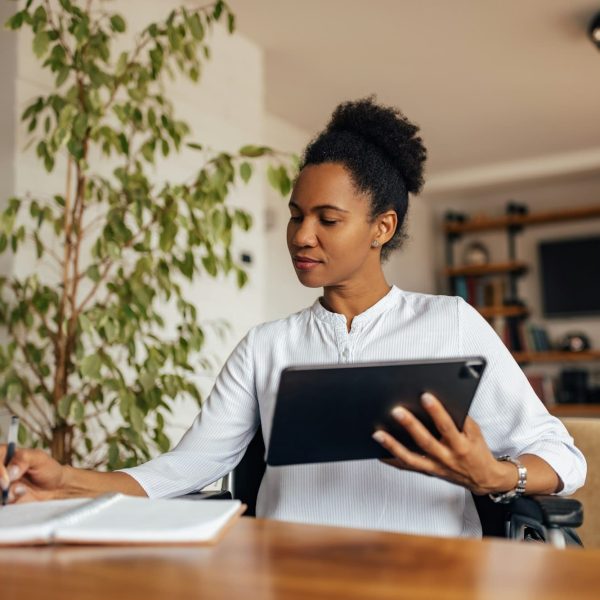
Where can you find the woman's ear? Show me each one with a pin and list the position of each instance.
(387, 223)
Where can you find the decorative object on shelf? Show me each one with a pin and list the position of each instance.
(455, 217)
(476, 254)
(575, 342)
(516, 208)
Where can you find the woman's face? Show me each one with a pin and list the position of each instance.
(330, 231)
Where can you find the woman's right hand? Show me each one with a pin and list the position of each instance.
(32, 475)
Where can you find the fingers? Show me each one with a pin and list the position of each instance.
(420, 434)
(442, 420)
(19, 493)
(403, 455)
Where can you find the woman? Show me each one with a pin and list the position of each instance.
(348, 209)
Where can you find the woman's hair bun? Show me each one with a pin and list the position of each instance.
(390, 131)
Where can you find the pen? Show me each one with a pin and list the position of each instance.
(10, 450)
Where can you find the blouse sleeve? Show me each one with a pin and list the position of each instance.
(512, 418)
(218, 437)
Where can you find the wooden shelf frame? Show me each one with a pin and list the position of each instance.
(508, 221)
(514, 266)
(489, 312)
(555, 356)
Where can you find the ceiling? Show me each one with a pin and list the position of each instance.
(491, 83)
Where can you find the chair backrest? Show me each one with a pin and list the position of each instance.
(586, 433)
(249, 473)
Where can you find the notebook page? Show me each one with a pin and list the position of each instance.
(34, 521)
(144, 520)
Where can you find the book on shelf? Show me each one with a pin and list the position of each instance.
(117, 519)
(543, 386)
(480, 292)
(537, 338)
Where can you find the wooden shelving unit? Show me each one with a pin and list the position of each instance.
(489, 269)
(510, 221)
(557, 357)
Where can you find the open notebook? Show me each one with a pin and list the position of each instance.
(117, 519)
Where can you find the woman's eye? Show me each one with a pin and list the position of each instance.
(294, 219)
(328, 222)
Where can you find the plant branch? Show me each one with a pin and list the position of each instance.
(110, 263)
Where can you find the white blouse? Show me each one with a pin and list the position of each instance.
(365, 494)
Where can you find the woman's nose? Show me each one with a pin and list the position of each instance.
(304, 234)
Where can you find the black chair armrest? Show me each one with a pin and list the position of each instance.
(207, 495)
(550, 511)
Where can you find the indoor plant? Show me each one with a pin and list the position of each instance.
(93, 342)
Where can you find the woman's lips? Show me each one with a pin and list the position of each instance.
(305, 264)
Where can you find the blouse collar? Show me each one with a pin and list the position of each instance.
(362, 319)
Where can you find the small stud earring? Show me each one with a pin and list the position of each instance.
(374, 244)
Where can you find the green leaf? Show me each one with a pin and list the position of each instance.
(210, 264)
(62, 75)
(40, 43)
(253, 151)
(246, 171)
(117, 23)
(196, 27)
(93, 273)
(15, 21)
(231, 22)
(242, 278)
(64, 406)
(90, 366)
(273, 176)
(77, 411)
(136, 418)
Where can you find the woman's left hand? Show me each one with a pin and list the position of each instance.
(461, 457)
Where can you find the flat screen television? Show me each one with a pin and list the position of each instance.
(570, 273)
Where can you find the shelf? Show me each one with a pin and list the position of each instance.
(556, 356)
(480, 270)
(504, 222)
(575, 410)
(489, 312)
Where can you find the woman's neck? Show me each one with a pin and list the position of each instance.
(354, 298)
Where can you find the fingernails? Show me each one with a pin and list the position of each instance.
(19, 490)
(399, 413)
(427, 399)
(379, 436)
(13, 472)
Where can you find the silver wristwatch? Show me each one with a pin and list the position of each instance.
(519, 490)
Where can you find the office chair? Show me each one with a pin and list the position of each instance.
(548, 519)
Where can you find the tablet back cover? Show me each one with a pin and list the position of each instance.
(329, 413)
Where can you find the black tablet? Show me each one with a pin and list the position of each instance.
(329, 413)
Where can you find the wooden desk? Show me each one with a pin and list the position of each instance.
(261, 559)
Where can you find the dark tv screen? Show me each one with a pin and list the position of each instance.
(570, 272)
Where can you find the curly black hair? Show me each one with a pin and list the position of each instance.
(382, 152)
